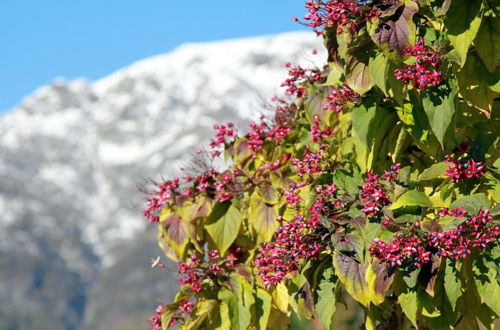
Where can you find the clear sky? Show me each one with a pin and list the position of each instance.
(43, 40)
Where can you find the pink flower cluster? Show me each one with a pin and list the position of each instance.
(373, 195)
(311, 163)
(256, 135)
(337, 99)
(460, 170)
(419, 75)
(293, 244)
(317, 134)
(402, 249)
(222, 133)
(185, 307)
(155, 319)
(292, 195)
(473, 232)
(205, 182)
(339, 14)
(162, 197)
(196, 271)
(392, 174)
(279, 132)
(296, 74)
(193, 274)
(224, 181)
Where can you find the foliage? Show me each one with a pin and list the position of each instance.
(377, 178)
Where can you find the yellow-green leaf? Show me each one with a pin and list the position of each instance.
(436, 171)
(412, 198)
(263, 217)
(487, 42)
(280, 297)
(263, 306)
(462, 22)
(223, 225)
(409, 304)
(352, 275)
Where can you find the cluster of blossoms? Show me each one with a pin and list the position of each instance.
(339, 97)
(422, 74)
(462, 169)
(402, 250)
(292, 195)
(311, 163)
(274, 166)
(317, 134)
(279, 132)
(223, 133)
(476, 231)
(162, 197)
(256, 135)
(185, 308)
(296, 74)
(192, 272)
(473, 232)
(206, 181)
(338, 14)
(294, 243)
(373, 195)
(392, 174)
(155, 319)
(196, 270)
(226, 179)
(297, 77)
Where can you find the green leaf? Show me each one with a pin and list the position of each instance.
(473, 83)
(238, 315)
(487, 42)
(452, 284)
(395, 86)
(281, 297)
(223, 225)
(263, 217)
(244, 294)
(472, 204)
(408, 300)
(436, 171)
(439, 105)
(378, 68)
(263, 307)
(412, 198)
(334, 75)
(410, 277)
(352, 274)
(371, 123)
(488, 286)
(325, 305)
(462, 22)
(224, 315)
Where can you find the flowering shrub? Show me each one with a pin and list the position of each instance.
(390, 196)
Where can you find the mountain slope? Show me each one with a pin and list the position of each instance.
(74, 153)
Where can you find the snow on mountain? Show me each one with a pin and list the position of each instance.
(93, 142)
(73, 154)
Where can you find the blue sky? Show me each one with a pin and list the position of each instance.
(42, 40)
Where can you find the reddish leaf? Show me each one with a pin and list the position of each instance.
(395, 34)
(174, 229)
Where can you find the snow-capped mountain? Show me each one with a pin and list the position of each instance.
(74, 153)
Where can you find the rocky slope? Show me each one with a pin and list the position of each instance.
(72, 240)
